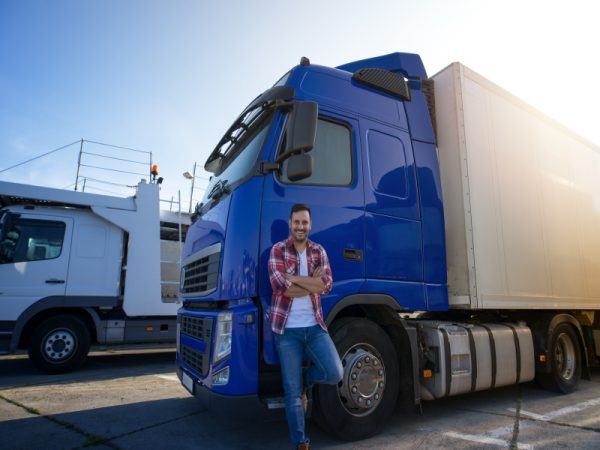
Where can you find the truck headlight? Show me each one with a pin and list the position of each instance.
(223, 337)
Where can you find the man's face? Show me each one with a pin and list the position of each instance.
(300, 226)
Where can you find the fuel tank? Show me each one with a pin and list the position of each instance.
(464, 357)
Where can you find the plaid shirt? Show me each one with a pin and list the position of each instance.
(284, 259)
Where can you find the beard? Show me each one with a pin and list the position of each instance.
(300, 237)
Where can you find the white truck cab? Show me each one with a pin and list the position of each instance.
(79, 268)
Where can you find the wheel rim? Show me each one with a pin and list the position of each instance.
(58, 345)
(364, 380)
(565, 356)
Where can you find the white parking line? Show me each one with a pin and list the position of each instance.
(492, 437)
(502, 431)
(531, 414)
(560, 412)
(482, 439)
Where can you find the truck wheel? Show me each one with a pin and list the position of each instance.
(59, 344)
(360, 404)
(564, 357)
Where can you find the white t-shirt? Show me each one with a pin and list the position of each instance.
(302, 313)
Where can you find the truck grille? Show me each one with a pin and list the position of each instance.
(200, 274)
(197, 328)
(196, 360)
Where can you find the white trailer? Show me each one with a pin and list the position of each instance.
(522, 201)
(79, 268)
(522, 213)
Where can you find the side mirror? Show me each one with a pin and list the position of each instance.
(7, 222)
(301, 129)
(213, 165)
(299, 167)
(8, 238)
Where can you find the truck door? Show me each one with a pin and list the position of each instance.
(334, 193)
(34, 259)
(393, 227)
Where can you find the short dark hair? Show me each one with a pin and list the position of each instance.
(299, 207)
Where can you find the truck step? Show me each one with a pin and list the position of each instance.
(275, 403)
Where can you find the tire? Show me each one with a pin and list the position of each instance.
(365, 398)
(59, 344)
(564, 355)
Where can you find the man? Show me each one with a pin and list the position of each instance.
(299, 272)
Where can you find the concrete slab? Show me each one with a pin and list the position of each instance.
(204, 431)
(35, 432)
(113, 407)
(9, 411)
(137, 402)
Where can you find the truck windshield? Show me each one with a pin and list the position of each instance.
(239, 151)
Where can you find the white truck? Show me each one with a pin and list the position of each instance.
(78, 269)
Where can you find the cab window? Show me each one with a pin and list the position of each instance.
(32, 240)
(332, 156)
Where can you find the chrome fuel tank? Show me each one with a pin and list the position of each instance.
(461, 357)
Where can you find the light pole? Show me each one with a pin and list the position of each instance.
(191, 176)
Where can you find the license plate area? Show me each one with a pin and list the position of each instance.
(187, 382)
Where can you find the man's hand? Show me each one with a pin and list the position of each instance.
(318, 273)
(295, 291)
(312, 284)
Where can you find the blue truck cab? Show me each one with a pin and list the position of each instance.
(355, 143)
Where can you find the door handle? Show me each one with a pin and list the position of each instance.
(352, 254)
(55, 281)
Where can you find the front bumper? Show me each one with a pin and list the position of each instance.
(239, 406)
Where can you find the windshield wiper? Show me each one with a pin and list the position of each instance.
(220, 189)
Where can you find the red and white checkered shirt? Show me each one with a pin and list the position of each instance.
(284, 259)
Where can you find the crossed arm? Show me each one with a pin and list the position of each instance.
(305, 285)
(293, 286)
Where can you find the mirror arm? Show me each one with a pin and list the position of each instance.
(282, 157)
(283, 105)
(286, 155)
(265, 167)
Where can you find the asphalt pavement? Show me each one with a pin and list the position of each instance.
(133, 400)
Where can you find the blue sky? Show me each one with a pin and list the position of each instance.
(170, 76)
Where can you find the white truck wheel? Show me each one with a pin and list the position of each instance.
(59, 344)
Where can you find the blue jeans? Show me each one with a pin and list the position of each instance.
(295, 346)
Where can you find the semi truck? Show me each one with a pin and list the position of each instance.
(78, 269)
(461, 226)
